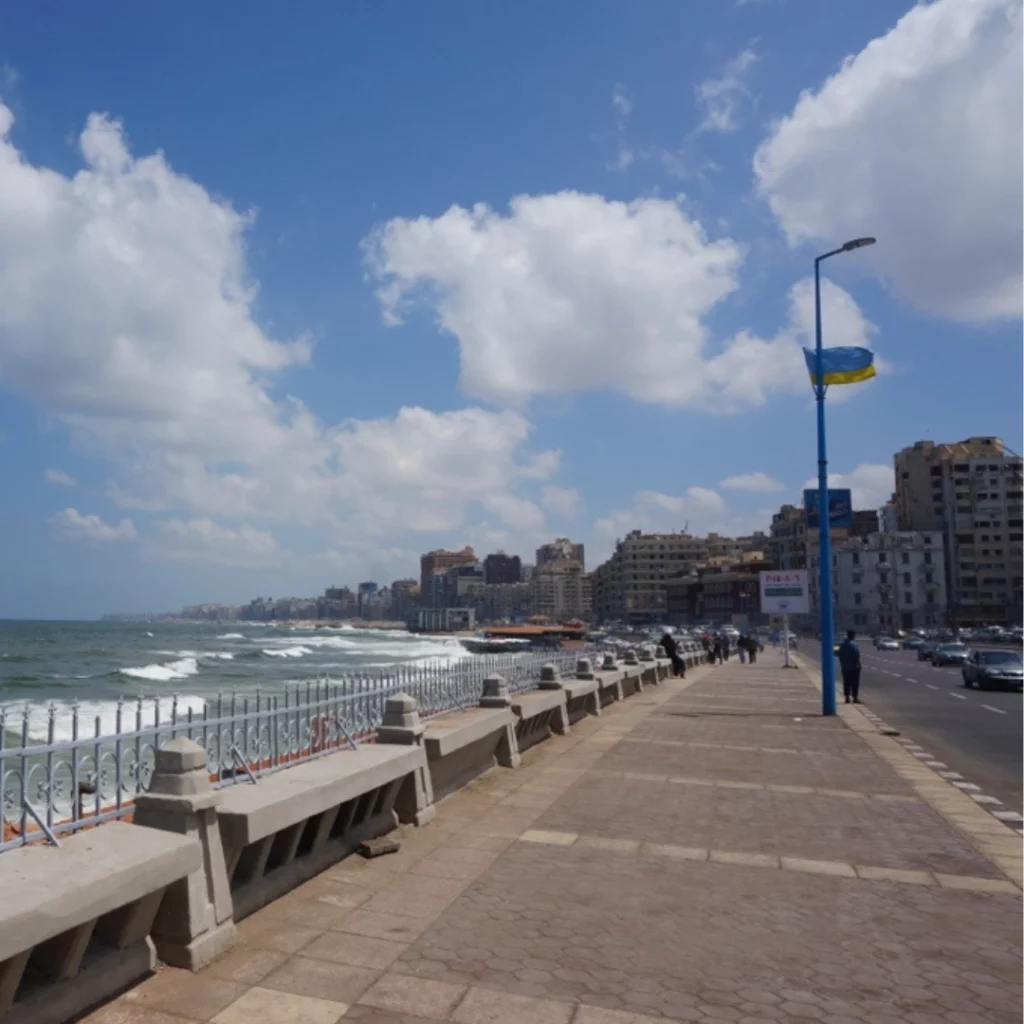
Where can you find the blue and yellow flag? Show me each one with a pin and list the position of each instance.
(841, 365)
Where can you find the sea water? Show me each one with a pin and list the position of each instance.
(94, 664)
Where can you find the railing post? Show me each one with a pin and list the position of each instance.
(401, 724)
(495, 695)
(195, 922)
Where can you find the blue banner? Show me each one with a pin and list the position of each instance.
(840, 508)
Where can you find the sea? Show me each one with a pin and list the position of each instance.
(92, 665)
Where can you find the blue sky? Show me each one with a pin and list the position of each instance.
(286, 300)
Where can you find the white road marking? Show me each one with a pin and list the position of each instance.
(959, 696)
(936, 764)
(968, 787)
(981, 798)
(951, 775)
(998, 711)
(1008, 816)
(930, 687)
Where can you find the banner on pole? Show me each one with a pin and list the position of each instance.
(784, 593)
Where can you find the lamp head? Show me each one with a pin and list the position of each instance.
(857, 243)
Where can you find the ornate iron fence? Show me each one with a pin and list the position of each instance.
(60, 785)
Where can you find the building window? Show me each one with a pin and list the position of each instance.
(857, 577)
(883, 577)
(905, 558)
(856, 558)
(906, 579)
(907, 598)
(927, 558)
(856, 599)
(928, 577)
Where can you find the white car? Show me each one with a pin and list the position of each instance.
(887, 643)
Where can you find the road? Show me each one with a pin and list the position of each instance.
(975, 732)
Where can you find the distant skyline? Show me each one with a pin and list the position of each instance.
(287, 302)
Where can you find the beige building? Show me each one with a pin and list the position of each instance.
(560, 550)
(560, 591)
(970, 492)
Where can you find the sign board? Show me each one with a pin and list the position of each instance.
(784, 593)
(840, 508)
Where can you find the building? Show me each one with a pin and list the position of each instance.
(718, 598)
(560, 591)
(865, 522)
(889, 516)
(502, 568)
(630, 586)
(787, 547)
(439, 562)
(971, 492)
(886, 582)
(404, 598)
(560, 550)
(499, 602)
(457, 580)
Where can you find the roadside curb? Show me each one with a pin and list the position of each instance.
(997, 838)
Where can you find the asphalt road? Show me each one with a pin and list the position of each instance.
(975, 732)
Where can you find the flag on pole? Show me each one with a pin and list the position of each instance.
(841, 365)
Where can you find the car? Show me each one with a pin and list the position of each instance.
(926, 650)
(993, 668)
(879, 639)
(912, 643)
(887, 643)
(950, 654)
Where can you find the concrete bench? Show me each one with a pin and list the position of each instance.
(540, 712)
(463, 745)
(75, 921)
(289, 826)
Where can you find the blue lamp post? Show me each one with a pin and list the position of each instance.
(828, 666)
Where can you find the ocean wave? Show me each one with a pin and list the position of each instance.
(231, 636)
(287, 652)
(221, 655)
(104, 710)
(181, 669)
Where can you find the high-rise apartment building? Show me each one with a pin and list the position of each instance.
(631, 585)
(885, 582)
(502, 568)
(560, 590)
(971, 492)
(438, 562)
(787, 545)
(560, 550)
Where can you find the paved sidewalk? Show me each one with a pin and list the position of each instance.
(709, 851)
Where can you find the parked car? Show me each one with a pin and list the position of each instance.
(994, 668)
(912, 643)
(950, 654)
(887, 643)
(926, 650)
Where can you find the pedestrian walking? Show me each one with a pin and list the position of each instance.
(849, 663)
(716, 652)
(741, 649)
(753, 646)
(725, 648)
(668, 641)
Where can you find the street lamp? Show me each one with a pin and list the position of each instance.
(828, 667)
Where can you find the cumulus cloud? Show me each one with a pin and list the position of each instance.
(572, 292)
(73, 525)
(720, 98)
(756, 483)
(871, 484)
(622, 105)
(59, 478)
(210, 543)
(127, 313)
(564, 502)
(918, 139)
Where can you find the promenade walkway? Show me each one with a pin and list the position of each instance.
(709, 851)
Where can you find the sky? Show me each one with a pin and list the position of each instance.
(290, 297)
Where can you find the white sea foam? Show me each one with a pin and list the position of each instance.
(231, 636)
(287, 652)
(181, 669)
(106, 712)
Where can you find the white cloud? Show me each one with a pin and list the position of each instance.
(59, 478)
(210, 543)
(756, 483)
(720, 98)
(73, 525)
(127, 313)
(918, 139)
(871, 484)
(562, 501)
(572, 292)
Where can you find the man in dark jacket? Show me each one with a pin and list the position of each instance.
(849, 663)
(668, 641)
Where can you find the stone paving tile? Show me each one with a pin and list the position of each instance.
(864, 773)
(811, 825)
(703, 941)
(181, 993)
(333, 981)
(265, 1006)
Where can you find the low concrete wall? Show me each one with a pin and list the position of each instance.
(75, 920)
(80, 922)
